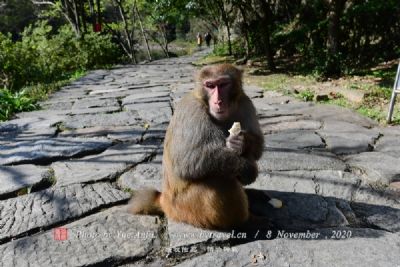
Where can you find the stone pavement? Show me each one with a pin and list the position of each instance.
(66, 172)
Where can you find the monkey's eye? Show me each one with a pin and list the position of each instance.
(210, 85)
(213, 85)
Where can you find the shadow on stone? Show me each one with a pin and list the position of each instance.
(313, 217)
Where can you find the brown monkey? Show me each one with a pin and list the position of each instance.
(204, 168)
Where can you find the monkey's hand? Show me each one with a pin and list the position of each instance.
(248, 173)
(236, 143)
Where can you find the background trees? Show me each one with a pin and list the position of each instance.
(45, 40)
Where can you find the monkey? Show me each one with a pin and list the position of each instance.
(205, 169)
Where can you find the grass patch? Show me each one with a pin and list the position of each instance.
(306, 95)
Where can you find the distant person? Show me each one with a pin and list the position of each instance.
(208, 38)
(199, 40)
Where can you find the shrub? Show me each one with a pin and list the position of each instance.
(44, 57)
(14, 102)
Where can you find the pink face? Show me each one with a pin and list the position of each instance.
(218, 91)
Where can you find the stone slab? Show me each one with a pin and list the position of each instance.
(123, 118)
(327, 183)
(366, 247)
(145, 175)
(87, 102)
(347, 138)
(296, 139)
(120, 133)
(14, 178)
(299, 124)
(280, 159)
(301, 211)
(184, 235)
(108, 238)
(139, 98)
(382, 217)
(389, 144)
(54, 205)
(376, 166)
(105, 166)
(50, 149)
(110, 109)
(323, 112)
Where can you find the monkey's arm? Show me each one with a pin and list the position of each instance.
(253, 137)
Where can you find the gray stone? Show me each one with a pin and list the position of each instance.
(324, 112)
(49, 150)
(253, 91)
(57, 105)
(148, 97)
(376, 166)
(145, 175)
(155, 116)
(268, 127)
(301, 211)
(27, 135)
(120, 133)
(347, 138)
(114, 119)
(14, 178)
(54, 205)
(267, 120)
(296, 139)
(278, 159)
(366, 247)
(325, 183)
(389, 145)
(110, 109)
(87, 102)
(142, 106)
(105, 166)
(156, 131)
(377, 194)
(184, 235)
(383, 217)
(42, 120)
(104, 239)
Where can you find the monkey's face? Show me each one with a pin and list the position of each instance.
(218, 91)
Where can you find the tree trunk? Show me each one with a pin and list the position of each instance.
(143, 33)
(245, 30)
(333, 58)
(164, 36)
(228, 29)
(266, 20)
(130, 46)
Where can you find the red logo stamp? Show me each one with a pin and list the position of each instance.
(60, 234)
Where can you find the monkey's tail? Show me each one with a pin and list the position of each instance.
(146, 202)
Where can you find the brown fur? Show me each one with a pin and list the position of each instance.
(203, 179)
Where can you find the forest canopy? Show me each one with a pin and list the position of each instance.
(45, 41)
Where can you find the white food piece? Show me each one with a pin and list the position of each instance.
(236, 128)
(276, 203)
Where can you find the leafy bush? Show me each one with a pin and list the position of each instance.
(306, 95)
(14, 102)
(44, 57)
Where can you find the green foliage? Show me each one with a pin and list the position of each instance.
(44, 57)
(306, 95)
(221, 49)
(14, 102)
(373, 113)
